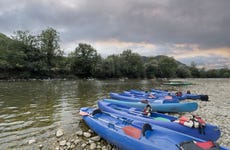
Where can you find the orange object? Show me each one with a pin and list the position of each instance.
(205, 145)
(132, 131)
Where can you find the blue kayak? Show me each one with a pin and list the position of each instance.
(131, 97)
(165, 107)
(179, 95)
(139, 135)
(206, 132)
(158, 93)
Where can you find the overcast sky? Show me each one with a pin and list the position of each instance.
(188, 30)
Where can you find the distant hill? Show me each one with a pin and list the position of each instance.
(4, 41)
(8, 44)
(159, 57)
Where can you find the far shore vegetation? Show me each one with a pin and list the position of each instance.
(28, 56)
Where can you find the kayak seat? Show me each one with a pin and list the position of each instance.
(146, 127)
(96, 111)
(162, 119)
(204, 97)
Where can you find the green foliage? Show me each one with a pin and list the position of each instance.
(39, 56)
(110, 67)
(167, 67)
(49, 44)
(194, 70)
(151, 68)
(183, 72)
(132, 64)
(84, 60)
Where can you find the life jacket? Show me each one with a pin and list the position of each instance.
(193, 145)
(192, 122)
(188, 92)
(147, 110)
(179, 93)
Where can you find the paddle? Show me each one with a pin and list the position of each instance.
(128, 130)
(125, 120)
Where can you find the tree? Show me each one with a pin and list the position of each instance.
(167, 67)
(194, 70)
(224, 72)
(49, 45)
(84, 60)
(183, 72)
(151, 68)
(111, 67)
(26, 38)
(131, 64)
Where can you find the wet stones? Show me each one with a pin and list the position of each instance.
(59, 133)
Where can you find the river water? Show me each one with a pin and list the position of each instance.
(36, 109)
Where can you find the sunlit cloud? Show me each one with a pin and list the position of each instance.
(114, 46)
(188, 50)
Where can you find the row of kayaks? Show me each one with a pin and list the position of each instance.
(137, 124)
(161, 101)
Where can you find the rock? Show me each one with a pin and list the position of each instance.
(90, 131)
(31, 141)
(72, 146)
(83, 145)
(62, 143)
(99, 147)
(72, 140)
(77, 141)
(104, 148)
(109, 146)
(80, 133)
(86, 134)
(90, 141)
(59, 133)
(95, 138)
(40, 146)
(92, 146)
(68, 144)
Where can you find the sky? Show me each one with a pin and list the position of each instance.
(188, 30)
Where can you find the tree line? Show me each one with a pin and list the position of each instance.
(25, 56)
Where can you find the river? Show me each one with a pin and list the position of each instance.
(36, 109)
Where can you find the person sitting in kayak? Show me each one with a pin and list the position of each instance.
(147, 110)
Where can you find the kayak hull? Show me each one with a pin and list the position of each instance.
(127, 97)
(210, 132)
(132, 136)
(167, 107)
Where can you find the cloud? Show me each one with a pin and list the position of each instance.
(196, 22)
(113, 46)
(171, 27)
(207, 61)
